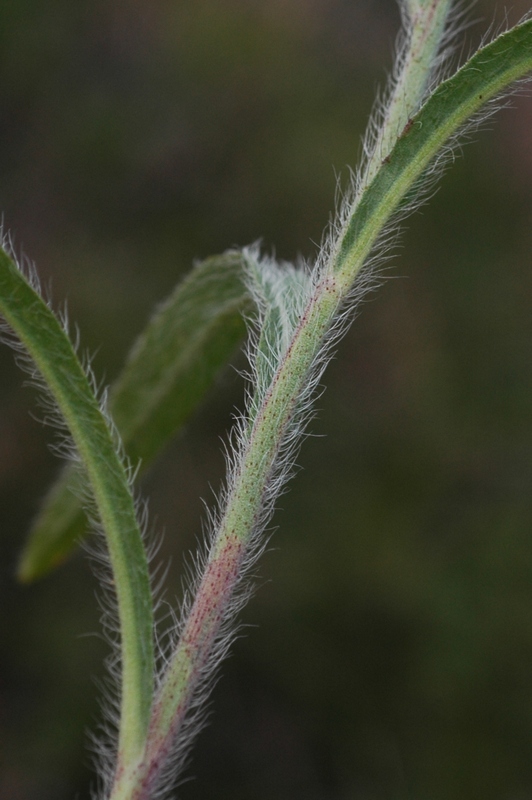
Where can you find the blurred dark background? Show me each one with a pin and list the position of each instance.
(389, 648)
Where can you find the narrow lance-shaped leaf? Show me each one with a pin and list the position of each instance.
(425, 137)
(170, 368)
(51, 351)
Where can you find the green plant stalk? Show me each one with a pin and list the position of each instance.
(51, 350)
(230, 545)
(427, 24)
(452, 104)
(267, 433)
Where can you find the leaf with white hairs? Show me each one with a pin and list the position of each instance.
(171, 366)
(43, 338)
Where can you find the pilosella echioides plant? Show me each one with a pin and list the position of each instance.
(295, 315)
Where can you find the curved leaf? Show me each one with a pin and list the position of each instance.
(170, 368)
(428, 135)
(50, 349)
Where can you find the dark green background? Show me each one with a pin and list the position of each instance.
(390, 653)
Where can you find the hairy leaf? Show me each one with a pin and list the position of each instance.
(59, 372)
(171, 366)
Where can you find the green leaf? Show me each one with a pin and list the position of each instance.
(49, 347)
(426, 136)
(171, 366)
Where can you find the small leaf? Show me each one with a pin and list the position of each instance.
(170, 368)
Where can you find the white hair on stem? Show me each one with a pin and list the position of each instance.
(425, 46)
(282, 293)
(284, 297)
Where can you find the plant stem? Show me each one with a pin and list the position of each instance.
(423, 136)
(231, 544)
(424, 31)
(232, 541)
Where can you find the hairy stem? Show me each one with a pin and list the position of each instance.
(421, 139)
(424, 31)
(265, 440)
(232, 540)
